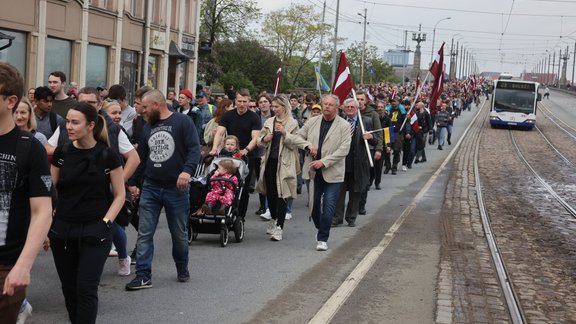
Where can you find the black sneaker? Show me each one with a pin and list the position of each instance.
(184, 276)
(133, 257)
(386, 170)
(260, 211)
(394, 171)
(139, 283)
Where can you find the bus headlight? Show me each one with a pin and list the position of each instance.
(494, 118)
(530, 121)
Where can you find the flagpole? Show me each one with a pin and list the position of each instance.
(415, 99)
(318, 81)
(363, 131)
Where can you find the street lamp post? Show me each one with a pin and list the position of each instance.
(434, 37)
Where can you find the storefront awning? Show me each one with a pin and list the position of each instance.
(176, 51)
(8, 38)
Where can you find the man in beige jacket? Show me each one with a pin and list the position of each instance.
(327, 140)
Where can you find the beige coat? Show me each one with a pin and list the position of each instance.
(335, 147)
(209, 137)
(288, 160)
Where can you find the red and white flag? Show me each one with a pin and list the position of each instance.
(394, 94)
(277, 81)
(343, 81)
(414, 122)
(369, 94)
(437, 71)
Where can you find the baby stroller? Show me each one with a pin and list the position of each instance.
(214, 222)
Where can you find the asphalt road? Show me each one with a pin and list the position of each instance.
(285, 282)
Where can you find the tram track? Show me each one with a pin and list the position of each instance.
(512, 301)
(571, 210)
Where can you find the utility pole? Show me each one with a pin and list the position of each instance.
(335, 42)
(363, 48)
(564, 67)
(573, 65)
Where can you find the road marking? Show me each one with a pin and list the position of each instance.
(335, 302)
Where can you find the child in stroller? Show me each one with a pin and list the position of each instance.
(221, 193)
(230, 149)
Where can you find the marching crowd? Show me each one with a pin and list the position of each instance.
(93, 152)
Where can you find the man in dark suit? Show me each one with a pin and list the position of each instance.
(357, 171)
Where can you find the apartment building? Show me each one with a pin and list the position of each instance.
(103, 42)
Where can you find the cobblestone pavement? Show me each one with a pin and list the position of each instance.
(536, 236)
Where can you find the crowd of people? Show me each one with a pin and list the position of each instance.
(87, 155)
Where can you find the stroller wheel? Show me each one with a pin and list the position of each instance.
(238, 230)
(223, 237)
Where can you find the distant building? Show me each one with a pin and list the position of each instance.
(545, 78)
(397, 57)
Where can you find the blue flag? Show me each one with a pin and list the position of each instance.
(320, 79)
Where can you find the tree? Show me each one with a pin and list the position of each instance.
(226, 19)
(257, 63)
(238, 80)
(295, 33)
(382, 70)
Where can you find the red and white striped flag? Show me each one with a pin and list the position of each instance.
(343, 80)
(414, 122)
(278, 79)
(437, 70)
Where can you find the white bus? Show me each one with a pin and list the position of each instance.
(514, 103)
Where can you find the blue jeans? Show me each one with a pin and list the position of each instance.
(177, 207)
(442, 136)
(120, 241)
(327, 193)
(289, 202)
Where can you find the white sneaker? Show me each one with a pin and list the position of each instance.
(321, 246)
(113, 252)
(266, 215)
(404, 168)
(25, 311)
(277, 234)
(124, 266)
(271, 228)
(288, 216)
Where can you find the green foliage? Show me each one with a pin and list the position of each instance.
(382, 70)
(238, 80)
(249, 57)
(226, 19)
(295, 34)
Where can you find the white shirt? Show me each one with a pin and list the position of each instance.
(124, 145)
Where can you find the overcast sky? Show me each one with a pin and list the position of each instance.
(502, 35)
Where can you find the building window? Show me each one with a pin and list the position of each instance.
(96, 71)
(174, 21)
(181, 76)
(152, 71)
(190, 13)
(16, 53)
(136, 8)
(158, 12)
(58, 56)
(129, 73)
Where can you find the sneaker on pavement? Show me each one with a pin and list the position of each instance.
(133, 257)
(277, 234)
(266, 215)
(321, 246)
(25, 311)
(113, 252)
(404, 168)
(183, 276)
(271, 227)
(288, 216)
(124, 266)
(138, 283)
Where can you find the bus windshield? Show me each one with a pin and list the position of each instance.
(514, 101)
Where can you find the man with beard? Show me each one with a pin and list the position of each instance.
(62, 102)
(170, 151)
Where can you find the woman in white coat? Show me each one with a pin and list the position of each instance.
(279, 166)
